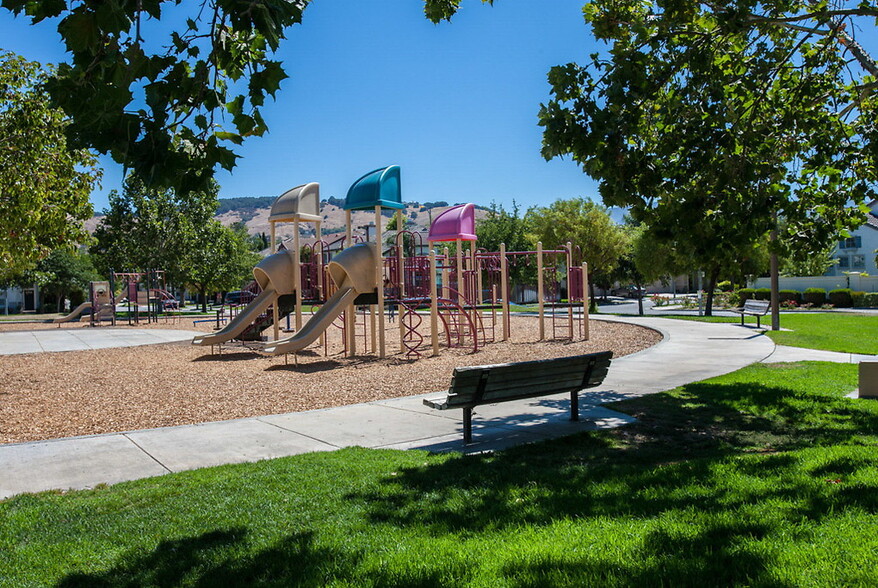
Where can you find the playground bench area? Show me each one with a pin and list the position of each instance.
(52, 395)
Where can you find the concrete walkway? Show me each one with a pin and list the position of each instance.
(690, 351)
(16, 342)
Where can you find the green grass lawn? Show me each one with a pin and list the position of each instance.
(831, 331)
(767, 477)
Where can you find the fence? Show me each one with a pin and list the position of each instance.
(854, 282)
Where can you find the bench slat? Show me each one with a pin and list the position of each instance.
(565, 383)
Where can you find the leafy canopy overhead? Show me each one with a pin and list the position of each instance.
(44, 187)
(709, 121)
(171, 106)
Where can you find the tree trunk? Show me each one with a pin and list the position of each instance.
(775, 281)
(203, 293)
(639, 299)
(711, 287)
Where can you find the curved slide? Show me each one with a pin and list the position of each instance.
(75, 314)
(353, 271)
(244, 319)
(318, 323)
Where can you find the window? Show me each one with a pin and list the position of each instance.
(858, 261)
(844, 262)
(851, 243)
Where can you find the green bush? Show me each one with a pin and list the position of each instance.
(794, 295)
(724, 286)
(734, 299)
(815, 296)
(841, 298)
(745, 294)
(763, 294)
(857, 297)
(866, 299)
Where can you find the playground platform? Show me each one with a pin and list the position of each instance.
(689, 351)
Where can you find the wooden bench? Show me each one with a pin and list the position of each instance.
(757, 308)
(488, 384)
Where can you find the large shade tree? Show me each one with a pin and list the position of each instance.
(44, 187)
(710, 121)
(171, 100)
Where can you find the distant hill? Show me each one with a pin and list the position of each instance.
(254, 211)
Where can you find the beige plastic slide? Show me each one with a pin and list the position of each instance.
(274, 274)
(353, 271)
(244, 319)
(76, 312)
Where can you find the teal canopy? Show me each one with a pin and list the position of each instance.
(377, 188)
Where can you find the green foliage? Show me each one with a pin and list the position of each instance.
(841, 298)
(584, 224)
(169, 109)
(794, 295)
(60, 274)
(219, 260)
(698, 123)
(762, 294)
(44, 187)
(724, 286)
(865, 299)
(745, 294)
(153, 229)
(814, 264)
(815, 296)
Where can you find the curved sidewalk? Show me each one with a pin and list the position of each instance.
(690, 351)
(81, 339)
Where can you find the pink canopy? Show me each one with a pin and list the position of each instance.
(458, 222)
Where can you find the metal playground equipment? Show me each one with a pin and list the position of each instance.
(464, 291)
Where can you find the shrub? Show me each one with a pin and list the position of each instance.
(789, 304)
(857, 297)
(724, 286)
(745, 294)
(870, 300)
(815, 296)
(735, 299)
(841, 298)
(763, 294)
(790, 295)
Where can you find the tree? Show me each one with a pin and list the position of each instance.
(60, 274)
(508, 227)
(153, 229)
(170, 107)
(585, 224)
(710, 123)
(812, 265)
(44, 187)
(221, 261)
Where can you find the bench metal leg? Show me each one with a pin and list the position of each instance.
(574, 406)
(467, 425)
(758, 324)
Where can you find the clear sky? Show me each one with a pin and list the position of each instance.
(373, 83)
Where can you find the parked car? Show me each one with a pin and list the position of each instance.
(239, 297)
(630, 291)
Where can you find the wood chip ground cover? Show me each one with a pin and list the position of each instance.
(52, 395)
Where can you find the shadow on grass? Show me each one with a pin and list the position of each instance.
(219, 558)
(678, 456)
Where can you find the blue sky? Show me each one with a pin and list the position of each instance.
(373, 83)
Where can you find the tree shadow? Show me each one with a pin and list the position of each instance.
(219, 558)
(306, 368)
(644, 469)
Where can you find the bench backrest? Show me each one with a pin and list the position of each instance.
(752, 305)
(471, 386)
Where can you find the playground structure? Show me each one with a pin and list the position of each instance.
(464, 290)
(144, 289)
(100, 305)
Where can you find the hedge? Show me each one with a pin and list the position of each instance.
(815, 296)
(865, 299)
(745, 294)
(794, 295)
(762, 294)
(841, 298)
